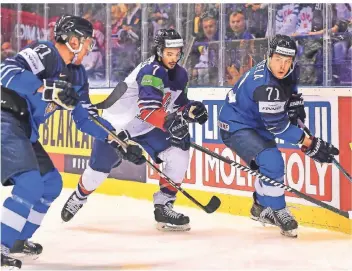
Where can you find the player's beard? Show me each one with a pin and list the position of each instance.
(172, 65)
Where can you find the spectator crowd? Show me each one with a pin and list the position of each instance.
(223, 41)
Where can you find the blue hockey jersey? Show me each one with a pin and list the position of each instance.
(154, 81)
(24, 74)
(259, 100)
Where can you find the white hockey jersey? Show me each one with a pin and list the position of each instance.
(150, 86)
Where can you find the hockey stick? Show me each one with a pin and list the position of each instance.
(212, 205)
(115, 95)
(337, 164)
(273, 182)
(188, 51)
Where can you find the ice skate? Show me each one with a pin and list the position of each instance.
(286, 222)
(281, 218)
(262, 214)
(7, 262)
(169, 220)
(23, 248)
(71, 207)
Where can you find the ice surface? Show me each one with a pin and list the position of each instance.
(118, 233)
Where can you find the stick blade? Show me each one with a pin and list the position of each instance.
(213, 205)
(114, 96)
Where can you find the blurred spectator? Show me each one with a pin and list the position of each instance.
(94, 61)
(51, 25)
(305, 19)
(231, 8)
(343, 11)
(238, 54)
(118, 13)
(162, 16)
(257, 17)
(209, 28)
(8, 23)
(341, 38)
(214, 9)
(6, 51)
(197, 20)
(342, 45)
(237, 29)
(245, 24)
(131, 23)
(127, 55)
(286, 18)
(204, 53)
(310, 49)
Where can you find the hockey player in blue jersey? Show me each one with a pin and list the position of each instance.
(40, 79)
(264, 105)
(157, 91)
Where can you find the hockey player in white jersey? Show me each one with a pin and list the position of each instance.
(157, 95)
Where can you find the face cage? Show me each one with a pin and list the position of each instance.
(81, 42)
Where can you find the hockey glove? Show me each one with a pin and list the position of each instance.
(195, 112)
(295, 108)
(133, 153)
(320, 151)
(178, 129)
(60, 92)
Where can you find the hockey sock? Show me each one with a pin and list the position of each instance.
(52, 189)
(81, 191)
(16, 209)
(167, 188)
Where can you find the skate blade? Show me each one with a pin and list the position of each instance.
(166, 227)
(263, 222)
(290, 234)
(25, 256)
(7, 267)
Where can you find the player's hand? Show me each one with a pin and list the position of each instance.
(320, 151)
(176, 125)
(295, 108)
(195, 112)
(60, 92)
(132, 153)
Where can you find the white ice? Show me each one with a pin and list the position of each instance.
(118, 233)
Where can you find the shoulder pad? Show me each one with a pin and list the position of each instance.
(154, 68)
(40, 56)
(153, 75)
(181, 70)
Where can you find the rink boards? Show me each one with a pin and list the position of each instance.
(328, 116)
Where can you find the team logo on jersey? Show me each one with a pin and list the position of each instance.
(51, 107)
(166, 101)
(223, 125)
